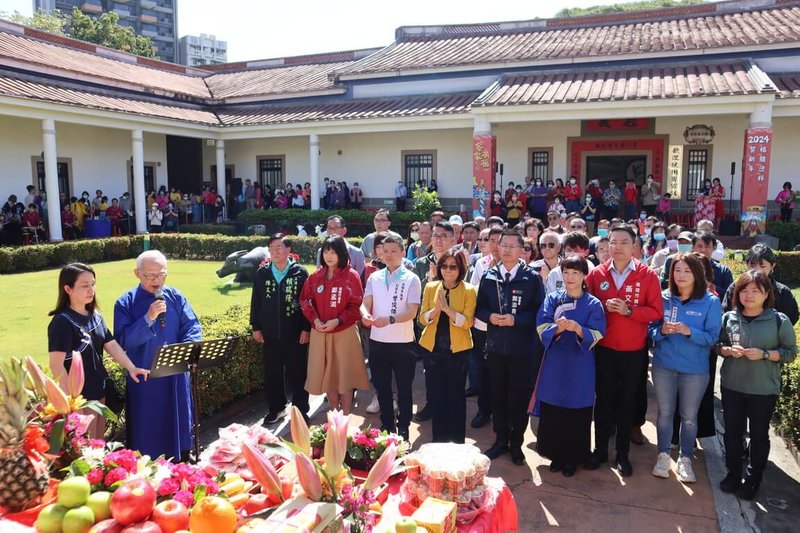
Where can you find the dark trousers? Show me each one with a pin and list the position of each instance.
(400, 204)
(618, 377)
(479, 366)
(285, 362)
(611, 212)
(786, 214)
(509, 382)
(448, 375)
(650, 210)
(630, 211)
(737, 409)
(640, 412)
(426, 370)
(387, 360)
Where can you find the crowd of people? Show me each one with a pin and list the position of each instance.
(553, 321)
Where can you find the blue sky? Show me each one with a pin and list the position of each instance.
(271, 28)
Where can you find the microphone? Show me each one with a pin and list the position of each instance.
(159, 295)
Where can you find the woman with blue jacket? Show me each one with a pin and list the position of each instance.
(681, 343)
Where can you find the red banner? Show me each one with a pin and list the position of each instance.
(618, 124)
(755, 179)
(484, 156)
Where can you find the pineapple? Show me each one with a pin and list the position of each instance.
(23, 480)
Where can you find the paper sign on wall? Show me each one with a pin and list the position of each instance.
(675, 171)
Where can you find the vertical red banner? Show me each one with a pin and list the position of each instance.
(484, 156)
(755, 180)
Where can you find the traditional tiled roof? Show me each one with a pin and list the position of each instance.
(732, 24)
(634, 83)
(273, 81)
(788, 84)
(348, 110)
(37, 55)
(32, 90)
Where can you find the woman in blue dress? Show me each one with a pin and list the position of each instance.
(570, 322)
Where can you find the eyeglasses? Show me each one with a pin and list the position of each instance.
(450, 266)
(154, 277)
(549, 244)
(527, 248)
(483, 239)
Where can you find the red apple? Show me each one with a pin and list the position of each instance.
(143, 527)
(256, 503)
(171, 516)
(133, 502)
(107, 526)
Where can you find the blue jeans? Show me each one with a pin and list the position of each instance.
(667, 383)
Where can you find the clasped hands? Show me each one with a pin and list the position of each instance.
(565, 324)
(736, 351)
(669, 328)
(617, 305)
(506, 320)
(378, 322)
(326, 327)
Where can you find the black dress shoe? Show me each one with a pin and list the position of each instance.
(480, 420)
(403, 432)
(471, 392)
(555, 466)
(597, 458)
(624, 466)
(517, 457)
(424, 414)
(569, 470)
(748, 489)
(731, 483)
(497, 449)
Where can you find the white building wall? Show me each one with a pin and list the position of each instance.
(514, 140)
(785, 160)
(98, 157)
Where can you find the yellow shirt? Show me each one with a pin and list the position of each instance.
(463, 298)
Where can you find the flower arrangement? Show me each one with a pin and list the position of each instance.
(369, 444)
(226, 452)
(328, 478)
(109, 466)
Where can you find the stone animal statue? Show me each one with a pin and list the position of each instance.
(244, 264)
(301, 231)
(321, 231)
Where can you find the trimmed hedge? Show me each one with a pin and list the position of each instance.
(209, 229)
(288, 219)
(788, 233)
(173, 245)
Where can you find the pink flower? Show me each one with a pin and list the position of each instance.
(182, 470)
(126, 459)
(168, 487)
(95, 476)
(78, 423)
(185, 497)
(114, 475)
(374, 432)
(97, 443)
(211, 487)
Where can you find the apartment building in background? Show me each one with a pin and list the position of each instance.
(157, 19)
(203, 49)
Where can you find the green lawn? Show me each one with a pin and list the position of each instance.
(27, 298)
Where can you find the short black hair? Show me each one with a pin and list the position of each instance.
(280, 237)
(760, 252)
(576, 239)
(575, 262)
(383, 212)
(390, 238)
(515, 234)
(338, 219)
(706, 237)
(494, 230)
(471, 224)
(624, 228)
(338, 245)
(445, 225)
(495, 220)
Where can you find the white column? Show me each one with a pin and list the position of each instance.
(221, 173)
(51, 180)
(139, 201)
(761, 117)
(313, 157)
(482, 125)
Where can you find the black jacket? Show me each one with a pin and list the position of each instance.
(275, 308)
(522, 296)
(784, 301)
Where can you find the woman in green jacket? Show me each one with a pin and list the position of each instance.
(755, 341)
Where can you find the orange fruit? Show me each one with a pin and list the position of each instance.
(212, 514)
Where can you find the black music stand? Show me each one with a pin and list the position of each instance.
(172, 359)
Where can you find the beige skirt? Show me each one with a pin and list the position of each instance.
(336, 362)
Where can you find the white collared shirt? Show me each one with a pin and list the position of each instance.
(504, 271)
(620, 277)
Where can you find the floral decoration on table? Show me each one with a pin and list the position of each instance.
(364, 446)
(226, 452)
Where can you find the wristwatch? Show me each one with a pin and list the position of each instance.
(766, 355)
(629, 312)
(392, 320)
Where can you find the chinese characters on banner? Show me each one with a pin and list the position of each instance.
(484, 156)
(618, 124)
(675, 171)
(755, 179)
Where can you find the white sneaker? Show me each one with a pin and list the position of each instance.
(685, 471)
(374, 407)
(662, 465)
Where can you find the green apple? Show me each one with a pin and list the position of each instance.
(73, 491)
(49, 519)
(405, 525)
(100, 504)
(78, 520)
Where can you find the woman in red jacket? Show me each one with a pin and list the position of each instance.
(331, 301)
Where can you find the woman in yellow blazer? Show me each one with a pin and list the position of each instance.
(448, 309)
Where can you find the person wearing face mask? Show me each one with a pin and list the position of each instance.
(684, 246)
(596, 192)
(631, 194)
(497, 206)
(650, 195)
(671, 246)
(588, 213)
(572, 195)
(664, 205)
(539, 200)
(611, 198)
(656, 241)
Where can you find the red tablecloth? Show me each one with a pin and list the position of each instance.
(499, 520)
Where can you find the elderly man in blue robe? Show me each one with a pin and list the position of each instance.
(159, 410)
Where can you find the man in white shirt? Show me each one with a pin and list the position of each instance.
(574, 243)
(719, 251)
(391, 299)
(549, 246)
(400, 194)
(382, 222)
